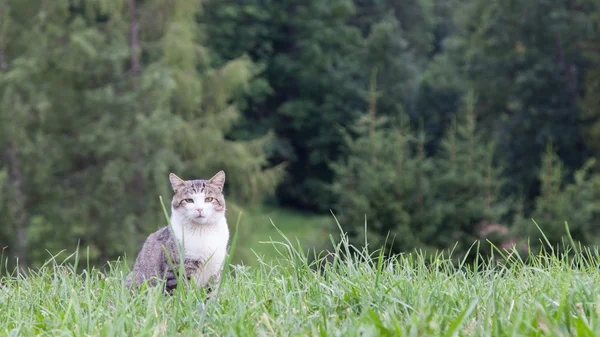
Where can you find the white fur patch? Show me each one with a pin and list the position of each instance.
(205, 242)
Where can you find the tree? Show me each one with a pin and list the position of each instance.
(439, 96)
(312, 58)
(559, 202)
(310, 83)
(105, 98)
(414, 201)
(386, 182)
(31, 136)
(468, 182)
(523, 60)
(373, 181)
(590, 102)
(389, 53)
(383, 186)
(415, 18)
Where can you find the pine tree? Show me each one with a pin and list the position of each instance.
(388, 51)
(559, 202)
(415, 19)
(438, 97)
(412, 200)
(385, 180)
(468, 182)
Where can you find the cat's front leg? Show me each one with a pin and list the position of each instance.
(171, 280)
(191, 267)
(213, 285)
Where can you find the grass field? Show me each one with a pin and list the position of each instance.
(256, 226)
(349, 296)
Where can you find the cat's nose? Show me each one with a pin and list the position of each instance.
(199, 210)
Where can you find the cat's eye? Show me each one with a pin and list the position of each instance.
(209, 199)
(191, 201)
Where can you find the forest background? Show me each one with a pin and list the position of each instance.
(440, 122)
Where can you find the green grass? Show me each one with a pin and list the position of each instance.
(256, 228)
(404, 296)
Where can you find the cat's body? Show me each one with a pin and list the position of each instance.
(198, 225)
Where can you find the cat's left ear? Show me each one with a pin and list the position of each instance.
(176, 182)
(218, 180)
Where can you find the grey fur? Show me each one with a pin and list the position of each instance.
(152, 263)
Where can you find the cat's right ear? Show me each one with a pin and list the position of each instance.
(176, 182)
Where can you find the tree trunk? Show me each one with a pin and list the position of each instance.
(18, 209)
(135, 70)
(372, 109)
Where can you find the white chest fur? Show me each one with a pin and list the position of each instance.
(207, 243)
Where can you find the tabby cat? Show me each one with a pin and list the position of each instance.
(199, 228)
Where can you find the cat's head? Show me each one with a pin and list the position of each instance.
(199, 201)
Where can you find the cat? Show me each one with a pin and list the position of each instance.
(198, 226)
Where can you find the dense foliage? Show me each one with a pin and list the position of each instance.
(428, 117)
(100, 100)
(412, 200)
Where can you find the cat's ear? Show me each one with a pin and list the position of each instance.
(218, 180)
(176, 182)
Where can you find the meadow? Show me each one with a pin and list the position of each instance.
(256, 227)
(347, 292)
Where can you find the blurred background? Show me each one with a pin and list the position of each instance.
(438, 121)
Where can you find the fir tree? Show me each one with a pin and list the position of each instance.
(468, 182)
(559, 202)
(414, 201)
(386, 181)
